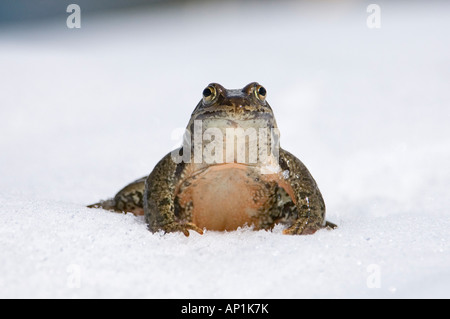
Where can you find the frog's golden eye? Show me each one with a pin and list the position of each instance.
(260, 93)
(209, 94)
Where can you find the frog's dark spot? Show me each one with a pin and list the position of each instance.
(137, 199)
(164, 202)
(180, 168)
(283, 164)
(303, 195)
(177, 210)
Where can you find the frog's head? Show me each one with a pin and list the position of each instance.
(223, 115)
(242, 108)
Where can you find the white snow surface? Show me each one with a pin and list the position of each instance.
(86, 111)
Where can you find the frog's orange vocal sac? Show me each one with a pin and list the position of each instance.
(213, 186)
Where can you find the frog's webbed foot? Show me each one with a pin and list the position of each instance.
(181, 227)
(305, 226)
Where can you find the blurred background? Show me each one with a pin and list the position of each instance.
(86, 110)
(23, 11)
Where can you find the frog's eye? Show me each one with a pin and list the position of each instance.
(209, 94)
(260, 93)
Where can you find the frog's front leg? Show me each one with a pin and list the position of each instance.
(159, 198)
(310, 213)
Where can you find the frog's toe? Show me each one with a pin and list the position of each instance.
(299, 231)
(330, 225)
(109, 204)
(302, 227)
(192, 226)
(182, 227)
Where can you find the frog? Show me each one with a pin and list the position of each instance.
(230, 173)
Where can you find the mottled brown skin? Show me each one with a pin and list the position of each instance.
(183, 196)
(128, 199)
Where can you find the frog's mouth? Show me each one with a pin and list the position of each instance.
(214, 121)
(239, 114)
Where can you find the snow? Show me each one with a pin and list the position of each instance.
(86, 111)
